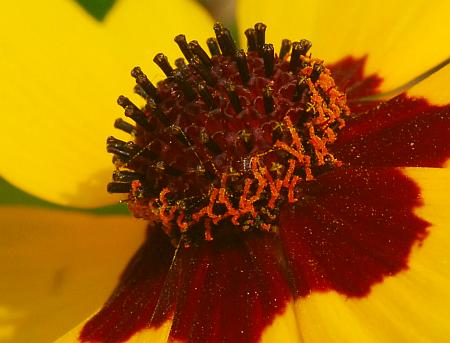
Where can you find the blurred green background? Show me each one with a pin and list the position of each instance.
(9, 195)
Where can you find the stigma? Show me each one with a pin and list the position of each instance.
(228, 138)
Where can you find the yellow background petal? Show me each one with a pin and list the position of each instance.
(435, 88)
(402, 38)
(62, 72)
(154, 335)
(413, 306)
(57, 267)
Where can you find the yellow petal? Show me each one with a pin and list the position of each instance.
(435, 87)
(284, 328)
(402, 39)
(158, 335)
(62, 72)
(413, 306)
(57, 267)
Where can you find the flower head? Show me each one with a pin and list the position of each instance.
(268, 186)
(274, 185)
(227, 140)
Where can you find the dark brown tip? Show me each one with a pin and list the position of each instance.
(163, 63)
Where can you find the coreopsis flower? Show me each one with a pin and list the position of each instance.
(287, 198)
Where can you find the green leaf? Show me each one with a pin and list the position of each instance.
(97, 8)
(12, 196)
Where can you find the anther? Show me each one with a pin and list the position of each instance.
(127, 176)
(180, 63)
(212, 146)
(241, 61)
(198, 51)
(139, 91)
(144, 82)
(294, 64)
(203, 71)
(285, 48)
(213, 46)
(269, 105)
(124, 126)
(226, 42)
(162, 62)
(305, 45)
(301, 87)
(186, 88)
(260, 35)
(156, 111)
(114, 142)
(234, 98)
(251, 39)
(268, 57)
(127, 150)
(118, 187)
(132, 111)
(206, 95)
(181, 136)
(298, 49)
(119, 148)
(183, 45)
(163, 167)
(317, 70)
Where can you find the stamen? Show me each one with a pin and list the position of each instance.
(268, 57)
(132, 111)
(241, 61)
(302, 86)
(124, 126)
(198, 51)
(294, 64)
(260, 34)
(162, 62)
(226, 42)
(298, 49)
(118, 187)
(180, 64)
(213, 46)
(206, 95)
(127, 176)
(285, 48)
(162, 167)
(186, 88)
(268, 99)
(251, 39)
(317, 70)
(203, 70)
(305, 45)
(144, 83)
(120, 148)
(213, 147)
(183, 45)
(234, 98)
(156, 111)
(139, 91)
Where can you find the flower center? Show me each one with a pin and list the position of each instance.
(227, 139)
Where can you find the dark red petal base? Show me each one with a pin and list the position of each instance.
(402, 132)
(348, 232)
(351, 230)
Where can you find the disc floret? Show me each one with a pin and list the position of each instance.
(227, 138)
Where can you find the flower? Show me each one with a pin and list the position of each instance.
(286, 306)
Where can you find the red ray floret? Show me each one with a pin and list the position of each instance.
(402, 132)
(263, 188)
